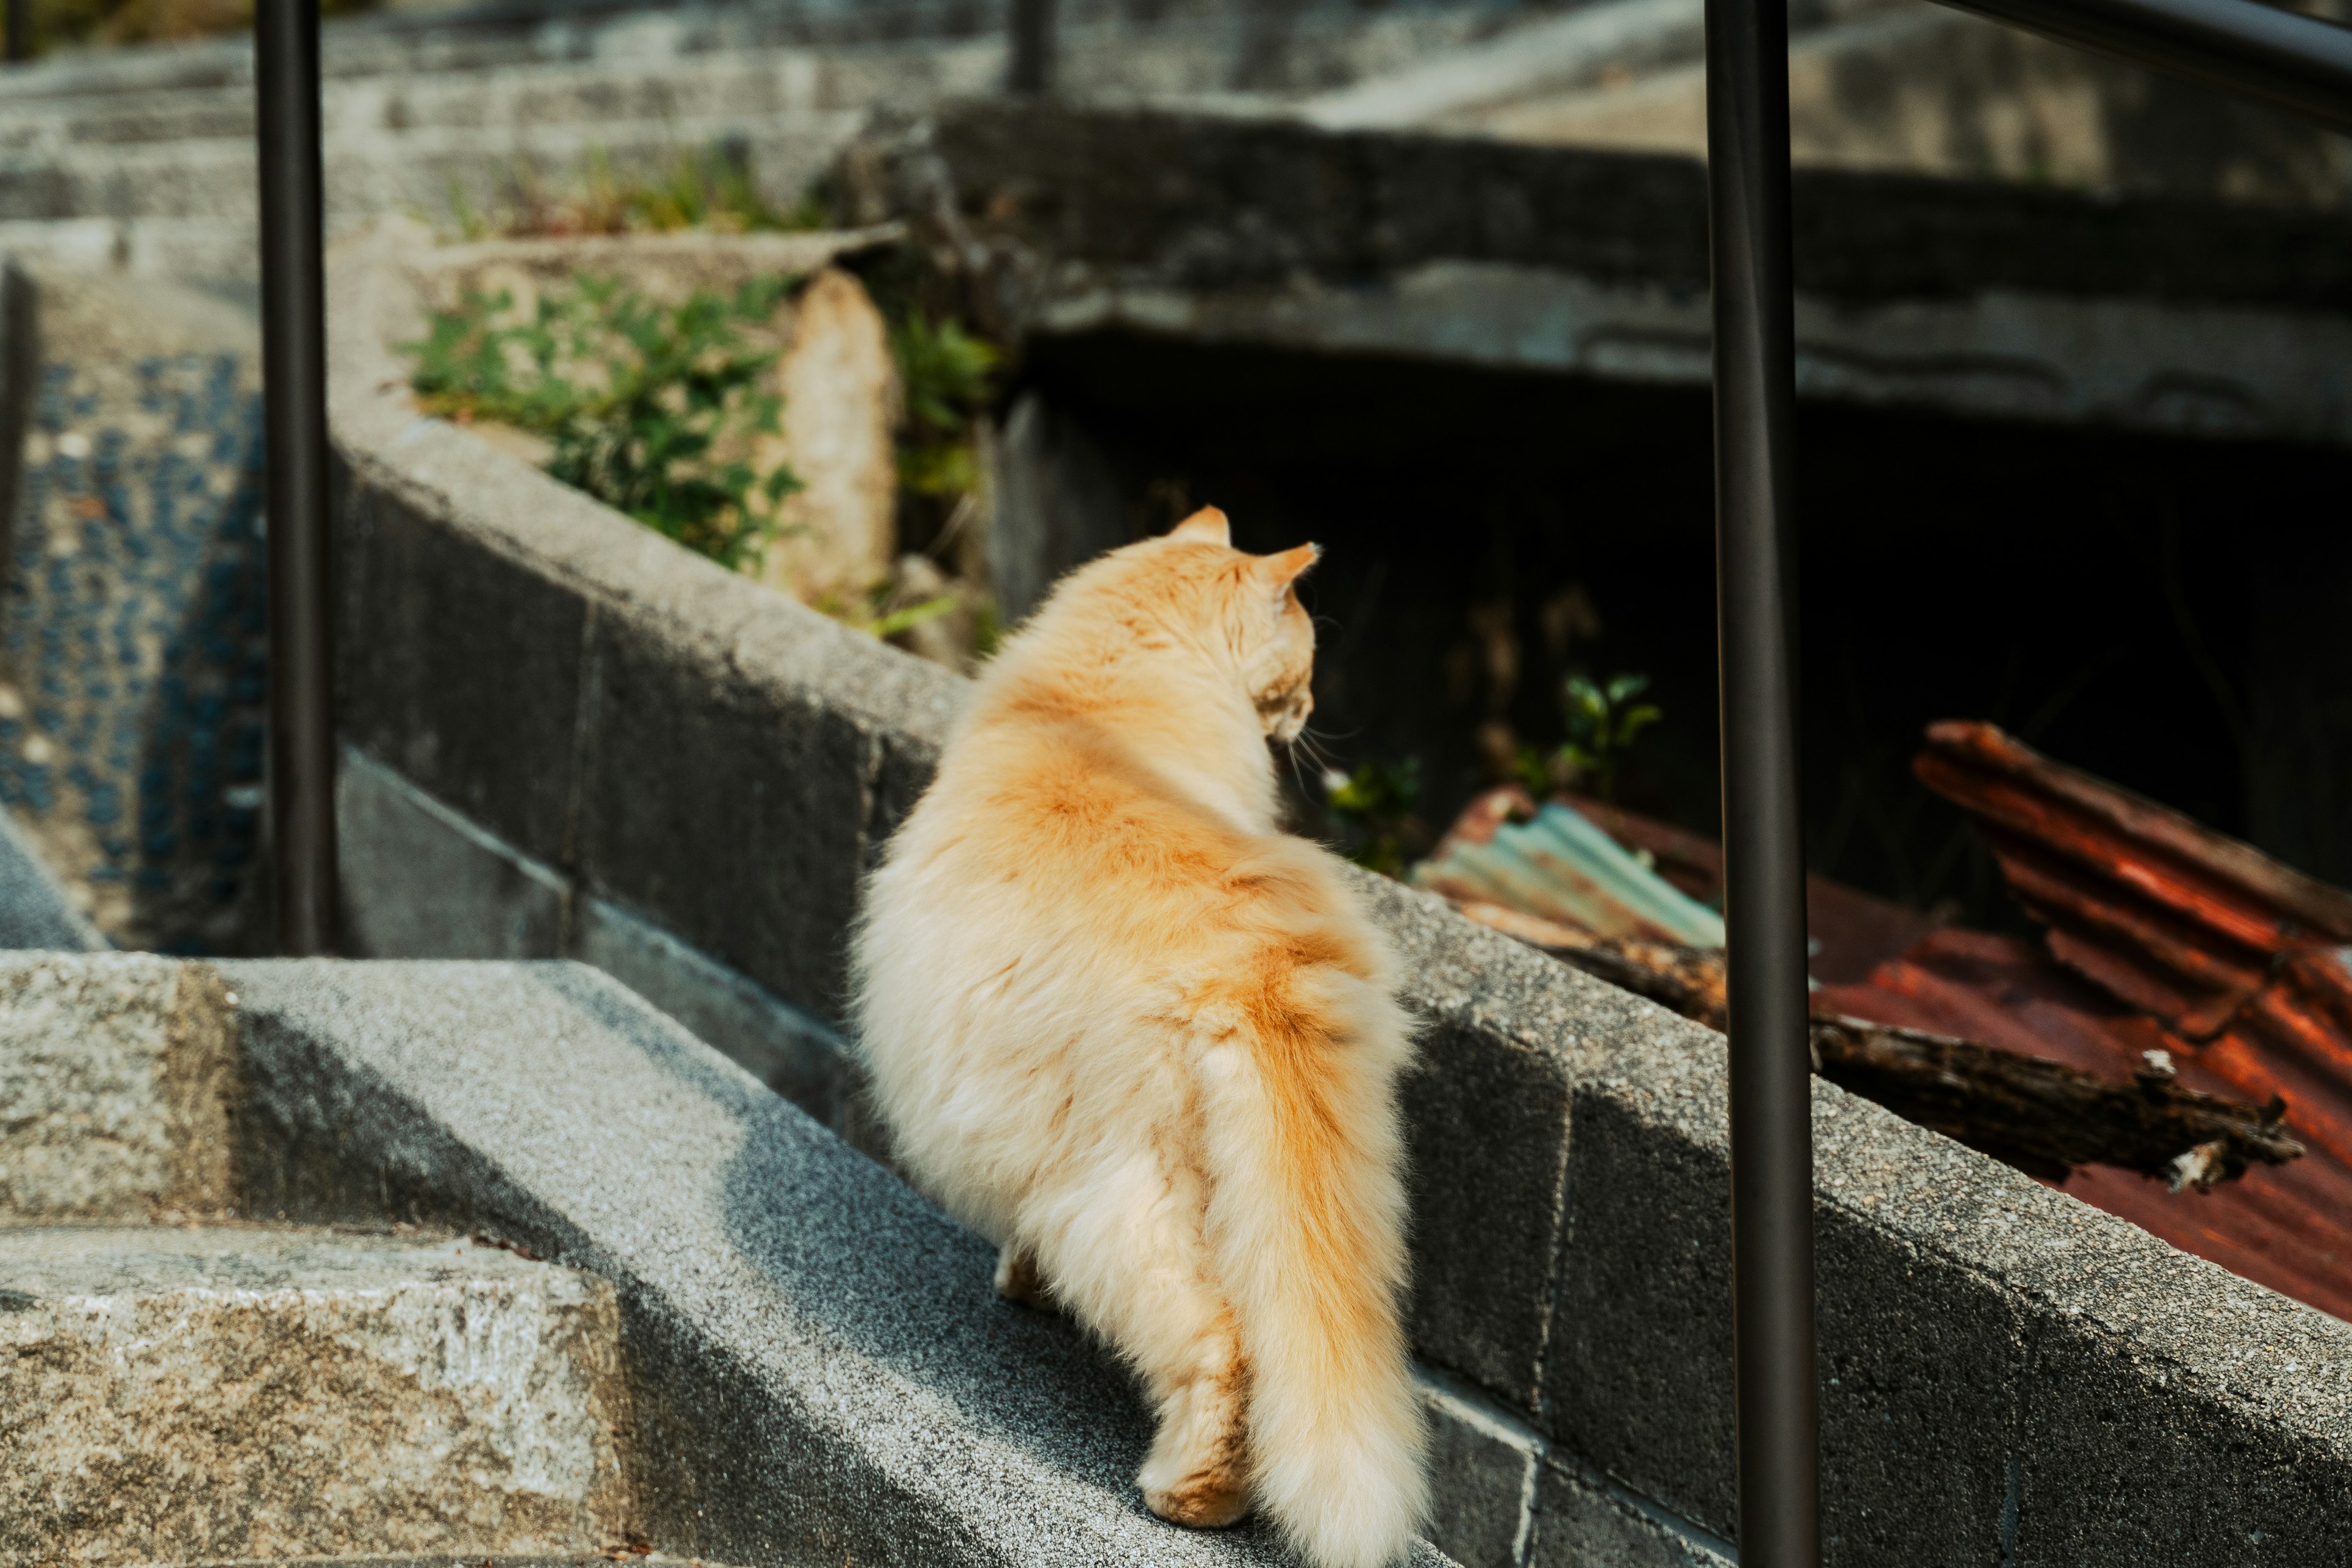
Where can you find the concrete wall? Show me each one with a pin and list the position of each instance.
(1979, 298)
(607, 730)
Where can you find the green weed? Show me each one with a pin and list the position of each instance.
(1603, 721)
(646, 405)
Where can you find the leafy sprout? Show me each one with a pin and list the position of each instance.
(1603, 721)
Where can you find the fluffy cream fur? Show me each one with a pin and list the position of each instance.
(1125, 1027)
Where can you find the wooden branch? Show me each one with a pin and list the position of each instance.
(2043, 1117)
(2046, 1118)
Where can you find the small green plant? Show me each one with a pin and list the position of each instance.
(646, 405)
(946, 371)
(1603, 721)
(1373, 806)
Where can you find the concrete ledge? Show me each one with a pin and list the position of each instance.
(234, 1391)
(820, 1365)
(1981, 298)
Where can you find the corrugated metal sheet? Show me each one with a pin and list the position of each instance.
(2160, 935)
(1558, 865)
(2176, 938)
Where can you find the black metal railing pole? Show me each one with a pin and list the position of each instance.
(18, 20)
(294, 435)
(1031, 70)
(2275, 57)
(1764, 870)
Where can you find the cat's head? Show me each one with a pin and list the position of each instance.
(1251, 602)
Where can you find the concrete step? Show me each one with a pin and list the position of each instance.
(240, 1392)
(213, 180)
(754, 83)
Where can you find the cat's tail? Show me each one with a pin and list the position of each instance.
(1305, 1222)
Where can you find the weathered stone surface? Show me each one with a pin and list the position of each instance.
(776, 1043)
(648, 695)
(431, 609)
(118, 1090)
(1583, 1520)
(2013, 301)
(237, 1392)
(1929, 90)
(35, 911)
(840, 386)
(421, 881)
(1482, 1468)
(822, 1368)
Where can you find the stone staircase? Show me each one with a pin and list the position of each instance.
(185, 1381)
(560, 1283)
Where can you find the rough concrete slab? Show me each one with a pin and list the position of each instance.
(238, 1391)
(1584, 1521)
(34, 910)
(1991, 1340)
(1984, 298)
(118, 1090)
(430, 612)
(783, 1048)
(422, 881)
(822, 1367)
(1483, 1467)
(681, 748)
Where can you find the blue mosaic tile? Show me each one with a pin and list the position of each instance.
(136, 627)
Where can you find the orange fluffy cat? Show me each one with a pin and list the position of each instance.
(1128, 1030)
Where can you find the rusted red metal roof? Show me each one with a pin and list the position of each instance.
(2161, 934)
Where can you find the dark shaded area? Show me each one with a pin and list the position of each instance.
(2091, 590)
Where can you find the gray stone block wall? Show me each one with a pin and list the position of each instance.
(2000, 1361)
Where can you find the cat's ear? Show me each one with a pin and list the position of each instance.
(1208, 524)
(1285, 569)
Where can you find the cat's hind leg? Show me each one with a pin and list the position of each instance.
(1120, 1246)
(1018, 1279)
(1198, 1470)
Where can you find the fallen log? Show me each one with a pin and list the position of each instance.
(2045, 1117)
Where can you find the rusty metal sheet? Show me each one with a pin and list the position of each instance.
(2288, 1227)
(2239, 966)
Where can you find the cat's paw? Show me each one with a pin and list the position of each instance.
(1018, 1279)
(1205, 1499)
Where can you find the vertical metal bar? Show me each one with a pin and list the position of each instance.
(18, 20)
(1032, 69)
(294, 433)
(1764, 869)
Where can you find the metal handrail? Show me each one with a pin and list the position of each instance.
(294, 440)
(2275, 58)
(2285, 62)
